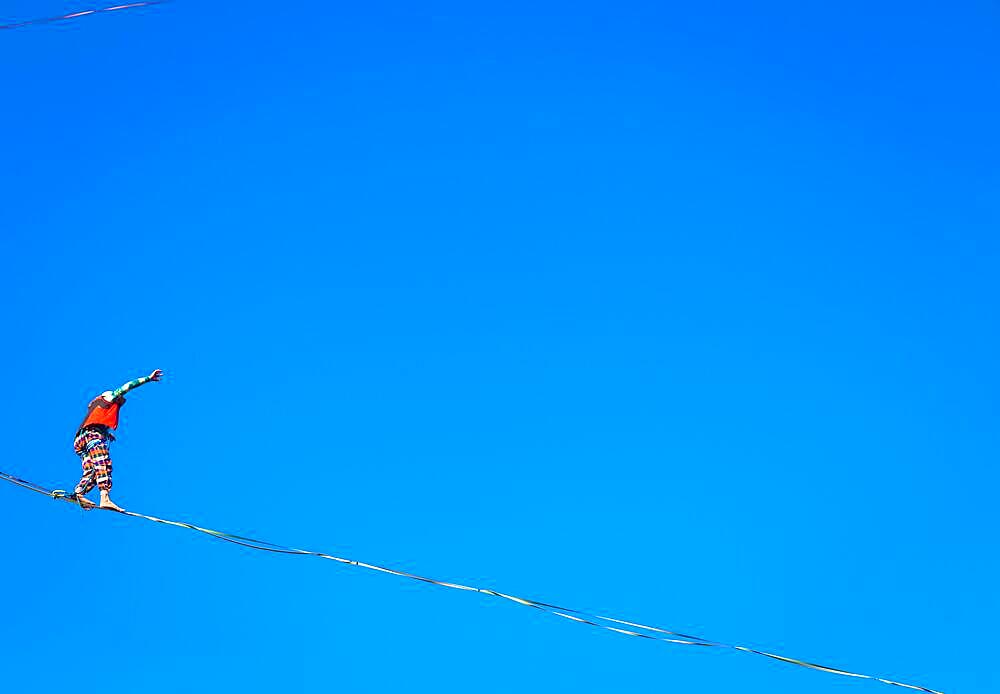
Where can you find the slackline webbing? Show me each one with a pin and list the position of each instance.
(608, 623)
(82, 13)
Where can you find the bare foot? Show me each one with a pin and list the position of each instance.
(85, 503)
(109, 505)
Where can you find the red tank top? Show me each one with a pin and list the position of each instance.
(103, 413)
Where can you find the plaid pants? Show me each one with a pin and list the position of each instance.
(92, 447)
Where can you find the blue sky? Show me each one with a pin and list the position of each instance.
(683, 314)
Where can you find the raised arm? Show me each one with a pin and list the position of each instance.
(155, 376)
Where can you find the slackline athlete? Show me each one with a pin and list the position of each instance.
(93, 441)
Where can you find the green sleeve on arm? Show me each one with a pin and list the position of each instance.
(117, 393)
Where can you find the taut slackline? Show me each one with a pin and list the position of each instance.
(82, 13)
(638, 630)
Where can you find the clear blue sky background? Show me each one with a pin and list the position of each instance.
(680, 312)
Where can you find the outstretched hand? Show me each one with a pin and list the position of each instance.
(156, 375)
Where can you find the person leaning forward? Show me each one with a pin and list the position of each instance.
(93, 442)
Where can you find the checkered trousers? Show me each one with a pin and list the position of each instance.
(92, 447)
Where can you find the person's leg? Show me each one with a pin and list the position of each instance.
(101, 456)
(85, 440)
(86, 483)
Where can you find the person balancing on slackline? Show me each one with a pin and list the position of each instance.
(94, 438)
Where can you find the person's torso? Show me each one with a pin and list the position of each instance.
(102, 413)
